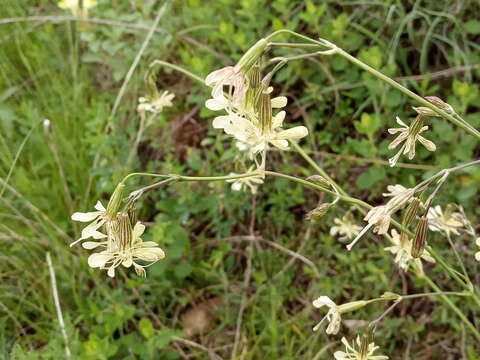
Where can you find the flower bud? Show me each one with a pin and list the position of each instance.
(252, 55)
(420, 239)
(320, 180)
(115, 201)
(388, 295)
(318, 212)
(440, 103)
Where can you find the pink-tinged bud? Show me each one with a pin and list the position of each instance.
(440, 103)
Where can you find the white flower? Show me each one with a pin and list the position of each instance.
(74, 6)
(251, 182)
(409, 135)
(448, 222)
(333, 316)
(96, 220)
(351, 353)
(255, 138)
(381, 216)
(477, 254)
(394, 190)
(123, 248)
(155, 104)
(346, 227)
(403, 251)
(234, 78)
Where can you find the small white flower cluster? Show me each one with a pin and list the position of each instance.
(346, 227)
(156, 102)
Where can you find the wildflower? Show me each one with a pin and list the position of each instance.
(254, 132)
(124, 247)
(155, 103)
(96, 219)
(447, 222)
(232, 77)
(252, 182)
(346, 227)
(235, 77)
(334, 315)
(352, 353)
(394, 190)
(402, 249)
(409, 135)
(381, 216)
(74, 7)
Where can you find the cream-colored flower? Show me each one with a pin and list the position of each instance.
(74, 7)
(333, 316)
(447, 222)
(96, 219)
(124, 247)
(253, 137)
(352, 353)
(381, 216)
(403, 250)
(251, 182)
(155, 104)
(394, 190)
(346, 227)
(231, 77)
(409, 136)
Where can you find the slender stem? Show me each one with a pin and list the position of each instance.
(462, 124)
(178, 68)
(460, 314)
(457, 255)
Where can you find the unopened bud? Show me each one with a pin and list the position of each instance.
(115, 202)
(420, 239)
(318, 212)
(440, 103)
(411, 211)
(252, 55)
(388, 295)
(320, 180)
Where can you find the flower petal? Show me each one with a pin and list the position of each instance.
(278, 119)
(216, 104)
(98, 260)
(279, 102)
(99, 206)
(429, 145)
(138, 230)
(85, 217)
(89, 245)
(294, 133)
(149, 254)
(323, 300)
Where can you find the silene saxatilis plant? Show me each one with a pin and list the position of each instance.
(250, 111)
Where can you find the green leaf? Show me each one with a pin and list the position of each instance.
(146, 328)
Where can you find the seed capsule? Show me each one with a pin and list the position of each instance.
(318, 212)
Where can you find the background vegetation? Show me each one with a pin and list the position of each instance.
(72, 74)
